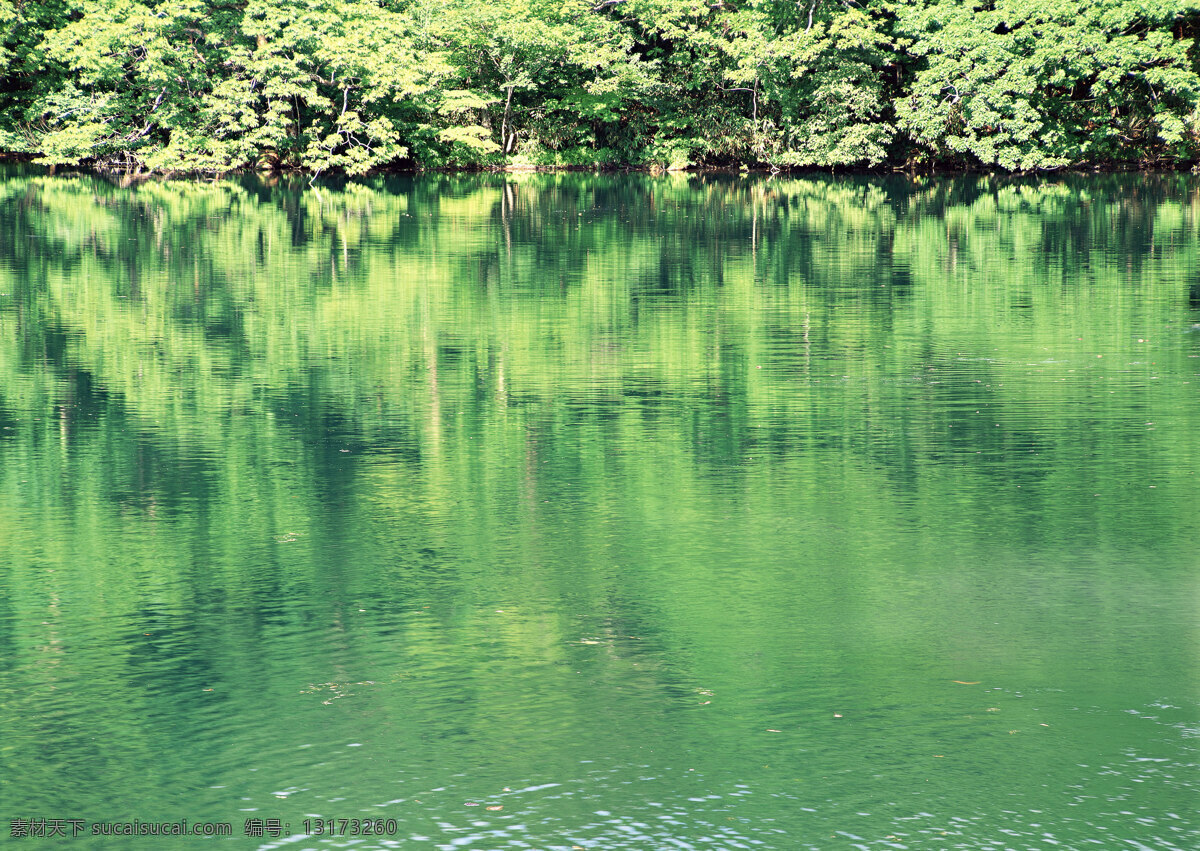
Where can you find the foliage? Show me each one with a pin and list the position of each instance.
(355, 85)
(1025, 85)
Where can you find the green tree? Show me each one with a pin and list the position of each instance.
(354, 85)
(1024, 85)
(545, 75)
(190, 85)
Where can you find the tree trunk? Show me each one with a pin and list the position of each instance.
(505, 140)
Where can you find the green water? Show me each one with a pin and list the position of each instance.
(663, 513)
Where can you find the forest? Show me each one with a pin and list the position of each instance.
(355, 86)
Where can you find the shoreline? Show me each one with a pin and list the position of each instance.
(8, 158)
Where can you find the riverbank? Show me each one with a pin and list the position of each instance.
(883, 170)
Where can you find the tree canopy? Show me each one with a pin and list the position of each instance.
(354, 85)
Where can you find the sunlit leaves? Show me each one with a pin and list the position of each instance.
(354, 85)
(1028, 85)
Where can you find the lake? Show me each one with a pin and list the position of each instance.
(602, 511)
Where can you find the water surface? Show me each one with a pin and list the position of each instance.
(660, 513)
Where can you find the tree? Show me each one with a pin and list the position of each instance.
(1025, 85)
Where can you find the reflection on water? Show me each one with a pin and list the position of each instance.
(604, 511)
